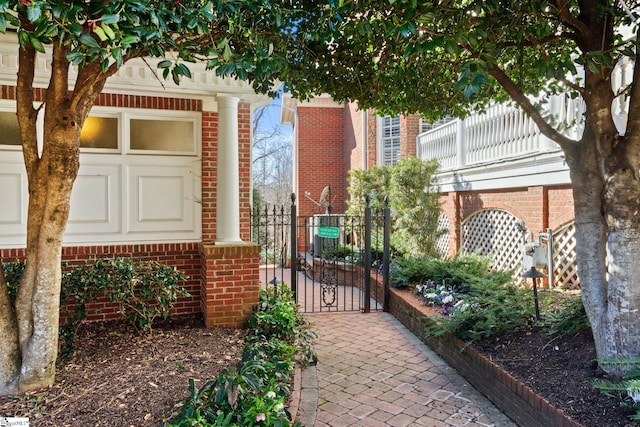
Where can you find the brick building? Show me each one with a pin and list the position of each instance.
(165, 174)
(330, 138)
(496, 170)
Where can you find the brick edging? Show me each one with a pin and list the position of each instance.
(514, 398)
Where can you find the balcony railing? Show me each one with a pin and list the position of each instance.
(505, 132)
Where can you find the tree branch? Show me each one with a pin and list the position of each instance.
(27, 115)
(517, 95)
(633, 122)
(568, 19)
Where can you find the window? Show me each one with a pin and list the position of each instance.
(107, 131)
(389, 136)
(9, 128)
(162, 135)
(99, 132)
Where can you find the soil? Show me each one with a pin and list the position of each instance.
(559, 368)
(118, 379)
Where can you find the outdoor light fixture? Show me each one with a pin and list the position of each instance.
(276, 281)
(534, 275)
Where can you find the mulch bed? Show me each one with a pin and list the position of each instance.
(116, 378)
(559, 368)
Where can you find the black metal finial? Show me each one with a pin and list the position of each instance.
(293, 198)
(367, 199)
(387, 199)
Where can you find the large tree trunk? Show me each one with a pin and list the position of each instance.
(29, 331)
(606, 189)
(38, 301)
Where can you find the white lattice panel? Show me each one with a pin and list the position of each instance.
(495, 233)
(442, 242)
(565, 269)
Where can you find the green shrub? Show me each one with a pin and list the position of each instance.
(255, 393)
(477, 302)
(489, 309)
(458, 272)
(562, 312)
(142, 291)
(627, 388)
(414, 201)
(343, 253)
(13, 272)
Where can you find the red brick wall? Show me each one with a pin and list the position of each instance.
(209, 175)
(231, 284)
(560, 206)
(409, 129)
(372, 139)
(320, 157)
(184, 256)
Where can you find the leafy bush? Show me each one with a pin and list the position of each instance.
(562, 312)
(13, 272)
(141, 290)
(344, 253)
(478, 302)
(489, 309)
(628, 387)
(414, 201)
(457, 272)
(255, 393)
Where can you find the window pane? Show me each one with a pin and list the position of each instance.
(9, 129)
(99, 132)
(390, 140)
(164, 135)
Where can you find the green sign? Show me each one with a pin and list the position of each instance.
(329, 232)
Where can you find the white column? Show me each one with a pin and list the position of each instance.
(228, 180)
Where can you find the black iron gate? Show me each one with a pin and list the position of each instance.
(332, 262)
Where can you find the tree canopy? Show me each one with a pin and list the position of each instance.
(447, 58)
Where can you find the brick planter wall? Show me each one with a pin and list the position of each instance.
(514, 398)
(230, 283)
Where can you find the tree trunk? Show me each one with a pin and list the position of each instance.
(10, 354)
(607, 220)
(29, 331)
(38, 302)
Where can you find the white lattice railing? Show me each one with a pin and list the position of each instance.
(494, 233)
(442, 242)
(565, 269)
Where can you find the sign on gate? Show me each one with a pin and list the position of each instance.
(329, 232)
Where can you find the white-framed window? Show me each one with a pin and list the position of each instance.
(130, 131)
(388, 140)
(139, 178)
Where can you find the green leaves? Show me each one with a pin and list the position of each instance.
(246, 37)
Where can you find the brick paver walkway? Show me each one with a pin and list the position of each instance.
(372, 371)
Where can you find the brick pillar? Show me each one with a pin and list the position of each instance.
(230, 283)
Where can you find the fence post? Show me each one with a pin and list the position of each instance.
(386, 248)
(367, 256)
(294, 247)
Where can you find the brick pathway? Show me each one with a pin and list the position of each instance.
(373, 372)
